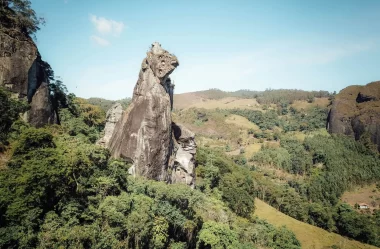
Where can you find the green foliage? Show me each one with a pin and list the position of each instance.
(10, 110)
(347, 163)
(82, 119)
(18, 14)
(301, 161)
(218, 236)
(106, 104)
(92, 115)
(238, 191)
(354, 225)
(330, 165)
(306, 120)
(59, 191)
(269, 96)
(278, 157)
(265, 120)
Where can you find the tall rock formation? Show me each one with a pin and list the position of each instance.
(112, 117)
(356, 111)
(22, 73)
(41, 111)
(144, 135)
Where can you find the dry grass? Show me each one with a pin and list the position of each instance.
(241, 122)
(302, 104)
(224, 103)
(367, 194)
(185, 100)
(251, 149)
(4, 158)
(311, 237)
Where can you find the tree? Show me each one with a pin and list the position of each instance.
(237, 190)
(18, 14)
(10, 110)
(59, 97)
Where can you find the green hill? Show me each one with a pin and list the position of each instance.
(310, 236)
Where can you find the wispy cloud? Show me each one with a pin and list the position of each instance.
(100, 41)
(107, 26)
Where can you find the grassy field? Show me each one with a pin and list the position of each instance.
(302, 104)
(189, 100)
(311, 237)
(241, 122)
(368, 194)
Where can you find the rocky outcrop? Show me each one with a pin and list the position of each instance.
(356, 111)
(112, 117)
(182, 163)
(22, 73)
(41, 112)
(145, 135)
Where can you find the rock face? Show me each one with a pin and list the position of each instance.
(22, 73)
(144, 135)
(356, 111)
(112, 117)
(182, 163)
(41, 112)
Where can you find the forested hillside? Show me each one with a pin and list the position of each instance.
(59, 189)
(298, 167)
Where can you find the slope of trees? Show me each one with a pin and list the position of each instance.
(61, 190)
(105, 104)
(331, 165)
(18, 15)
(10, 110)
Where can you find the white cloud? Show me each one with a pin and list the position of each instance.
(100, 41)
(107, 26)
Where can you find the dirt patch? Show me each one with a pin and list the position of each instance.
(368, 194)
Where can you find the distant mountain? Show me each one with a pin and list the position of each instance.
(267, 97)
(106, 104)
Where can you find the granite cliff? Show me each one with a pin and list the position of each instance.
(145, 135)
(355, 112)
(22, 72)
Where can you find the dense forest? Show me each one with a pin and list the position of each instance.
(59, 189)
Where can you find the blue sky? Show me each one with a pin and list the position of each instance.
(97, 46)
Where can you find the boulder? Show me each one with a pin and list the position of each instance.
(143, 135)
(355, 111)
(112, 117)
(41, 112)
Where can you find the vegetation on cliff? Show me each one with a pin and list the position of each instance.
(18, 15)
